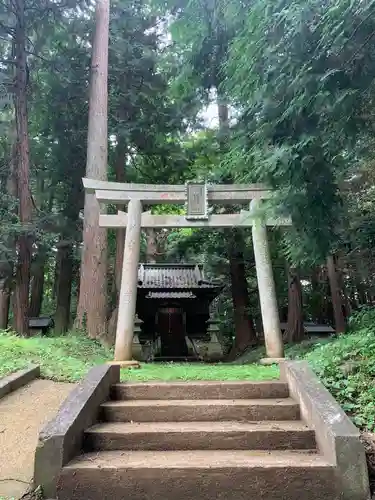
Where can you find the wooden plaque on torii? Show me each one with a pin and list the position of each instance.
(196, 201)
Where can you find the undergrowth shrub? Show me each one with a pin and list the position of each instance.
(363, 318)
(346, 366)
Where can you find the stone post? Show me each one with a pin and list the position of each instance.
(266, 286)
(128, 289)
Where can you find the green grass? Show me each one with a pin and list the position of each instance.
(197, 371)
(65, 359)
(68, 359)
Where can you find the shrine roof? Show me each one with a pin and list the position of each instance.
(173, 276)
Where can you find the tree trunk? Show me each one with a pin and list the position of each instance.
(120, 242)
(223, 115)
(92, 306)
(245, 334)
(152, 247)
(75, 284)
(74, 203)
(37, 285)
(4, 304)
(315, 294)
(24, 242)
(357, 276)
(347, 310)
(121, 151)
(360, 292)
(337, 305)
(64, 264)
(7, 268)
(294, 331)
(243, 322)
(320, 294)
(55, 278)
(39, 263)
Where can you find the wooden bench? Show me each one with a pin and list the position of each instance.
(41, 324)
(313, 329)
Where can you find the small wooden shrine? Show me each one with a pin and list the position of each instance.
(173, 306)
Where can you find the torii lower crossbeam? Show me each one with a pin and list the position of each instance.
(243, 219)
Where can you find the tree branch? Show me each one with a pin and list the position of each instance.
(7, 29)
(30, 53)
(7, 61)
(371, 35)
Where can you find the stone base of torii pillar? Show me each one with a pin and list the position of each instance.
(133, 363)
(271, 361)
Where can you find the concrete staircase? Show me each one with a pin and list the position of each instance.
(199, 441)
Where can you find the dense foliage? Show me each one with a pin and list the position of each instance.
(302, 74)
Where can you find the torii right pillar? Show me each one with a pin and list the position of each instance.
(266, 286)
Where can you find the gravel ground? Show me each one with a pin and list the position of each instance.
(22, 414)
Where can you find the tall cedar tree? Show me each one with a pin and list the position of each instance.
(92, 305)
(24, 242)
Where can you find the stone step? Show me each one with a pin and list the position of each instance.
(192, 475)
(201, 390)
(280, 435)
(200, 410)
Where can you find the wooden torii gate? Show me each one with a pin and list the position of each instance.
(196, 196)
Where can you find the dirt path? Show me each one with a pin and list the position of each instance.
(22, 414)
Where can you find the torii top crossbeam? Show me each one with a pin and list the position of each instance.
(121, 193)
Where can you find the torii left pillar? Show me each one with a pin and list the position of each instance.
(128, 288)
